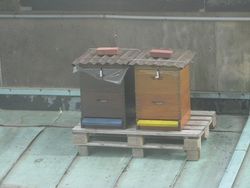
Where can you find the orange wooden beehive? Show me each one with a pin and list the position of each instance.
(162, 89)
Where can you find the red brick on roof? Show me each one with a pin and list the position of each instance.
(107, 51)
(161, 53)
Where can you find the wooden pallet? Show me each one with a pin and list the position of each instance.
(202, 115)
(191, 136)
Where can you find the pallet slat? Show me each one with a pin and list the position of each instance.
(202, 113)
(203, 118)
(198, 123)
(125, 145)
(107, 144)
(133, 131)
(206, 114)
(196, 127)
(163, 146)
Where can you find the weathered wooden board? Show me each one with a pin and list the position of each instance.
(195, 115)
(159, 169)
(132, 131)
(125, 145)
(83, 138)
(101, 169)
(215, 155)
(13, 143)
(45, 162)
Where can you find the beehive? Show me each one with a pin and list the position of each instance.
(162, 87)
(107, 87)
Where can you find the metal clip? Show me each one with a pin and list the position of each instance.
(75, 69)
(101, 73)
(157, 75)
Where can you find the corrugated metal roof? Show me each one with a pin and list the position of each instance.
(123, 58)
(35, 153)
(180, 59)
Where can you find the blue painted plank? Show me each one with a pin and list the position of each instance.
(239, 154)
(101, 169)
(45, 162)
(13, 142)
(102, 122)
(158, 169)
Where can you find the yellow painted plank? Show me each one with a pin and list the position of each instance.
(157, 123)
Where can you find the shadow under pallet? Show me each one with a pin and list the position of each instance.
(189, 139)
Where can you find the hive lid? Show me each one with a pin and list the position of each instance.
(179, 59)
(124, 57)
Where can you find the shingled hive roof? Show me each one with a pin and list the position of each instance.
(179, 59)
(124, 57)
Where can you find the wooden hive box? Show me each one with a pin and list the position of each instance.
(162, 87)
(106, 84)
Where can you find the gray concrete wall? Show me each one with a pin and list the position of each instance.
(9, 5)
(138, 5)
(39, 52)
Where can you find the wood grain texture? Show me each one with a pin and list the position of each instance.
(103, 104)
(206, 113)
(156, 98)
(165, 98)
(138, 140)
(189, 133)
(185, 95)
(116, 144)
(146, 82)
(158, 106)
(102, 99)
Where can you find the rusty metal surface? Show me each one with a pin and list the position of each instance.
(180, 59)
(123, 58)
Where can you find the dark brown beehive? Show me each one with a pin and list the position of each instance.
(162, 87)
(107, 87)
